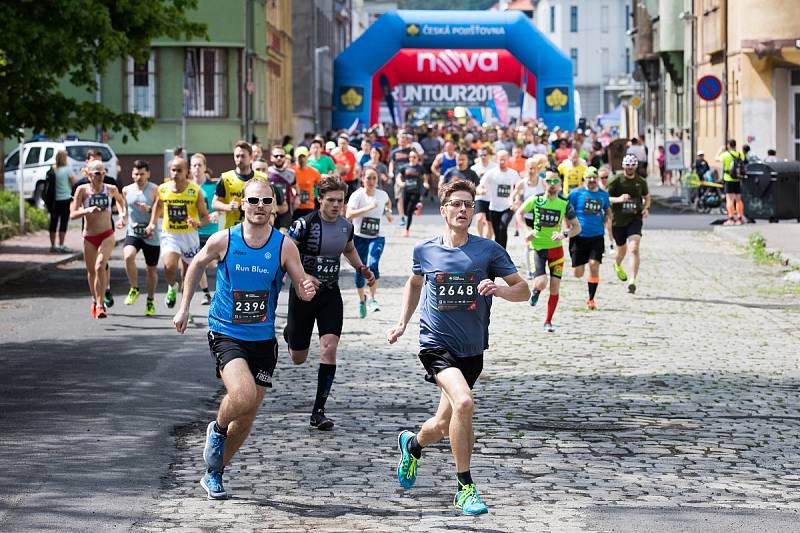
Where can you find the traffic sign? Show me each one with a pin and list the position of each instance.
(709, 88)
(674, 156)
(636, 101)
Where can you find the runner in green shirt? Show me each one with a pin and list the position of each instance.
(553, 221)
(318, 161)
(630, 205)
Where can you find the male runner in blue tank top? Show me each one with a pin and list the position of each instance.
(252, 259)
(454, 273)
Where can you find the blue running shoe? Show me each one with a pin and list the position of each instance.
(212, 482)
(469, 501)
(534, 297)
(407, 467)
(215, 448)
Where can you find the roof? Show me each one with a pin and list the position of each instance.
(516, 5)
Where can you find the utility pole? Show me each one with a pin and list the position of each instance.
(317, 52)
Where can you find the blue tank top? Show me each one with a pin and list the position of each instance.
(447, 163)
(249, 281)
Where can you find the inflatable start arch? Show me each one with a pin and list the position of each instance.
(452, 47)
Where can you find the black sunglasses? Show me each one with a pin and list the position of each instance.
(278, 156)
(253, 200)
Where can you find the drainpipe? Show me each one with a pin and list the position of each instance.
(725, 124)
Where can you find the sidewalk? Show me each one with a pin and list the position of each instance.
(25, 253)
(782, 238)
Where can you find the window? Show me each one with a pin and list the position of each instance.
(573, 19)
(552, 19)
(13, 161)
(48, 154)
(204, 82)
(627, 60)
(627, 17)
(33, 156)
(141, 79)
(604, 19)
(79, 152)
(604, 61)
(573, 55)
(795, 77)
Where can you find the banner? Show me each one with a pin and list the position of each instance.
(470, 95)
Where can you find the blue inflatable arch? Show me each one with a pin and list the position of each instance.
(511, 30)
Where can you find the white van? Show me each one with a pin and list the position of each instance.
(41, 155)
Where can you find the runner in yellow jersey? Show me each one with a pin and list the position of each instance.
(228, 196)
(184, 210)
(571, 170)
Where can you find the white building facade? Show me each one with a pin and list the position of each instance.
(594, 34)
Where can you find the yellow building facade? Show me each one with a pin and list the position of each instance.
(279, 71)
(753, 46)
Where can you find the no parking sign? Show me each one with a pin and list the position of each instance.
(674, 155)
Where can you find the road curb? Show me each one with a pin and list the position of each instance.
(724, 233)
(25, 268)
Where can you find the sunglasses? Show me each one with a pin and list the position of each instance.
(278, 156)
(552, 181)
(266, 200)
(99, 173)
(458, 204)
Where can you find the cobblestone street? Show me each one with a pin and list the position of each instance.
(680, 398)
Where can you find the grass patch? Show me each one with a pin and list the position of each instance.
(786, 289)
(756, 248)
(35, 219)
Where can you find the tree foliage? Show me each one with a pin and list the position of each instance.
(47, 41)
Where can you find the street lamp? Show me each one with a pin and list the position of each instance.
(689, 18)
(317, 52)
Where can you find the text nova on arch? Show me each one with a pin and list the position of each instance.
(451, 62)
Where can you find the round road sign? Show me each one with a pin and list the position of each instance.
(709, 88)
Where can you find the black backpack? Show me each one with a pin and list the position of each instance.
(737, 170)
(49, 193)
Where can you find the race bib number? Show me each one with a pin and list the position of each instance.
(630, 207)
(456, 292)
(304, 197)
(370, 226)
(249, 307)
(592, 206)
(177, 212)
(99, 200)
(140, 230)
(549, 218)
(326, 269)
(503, 190)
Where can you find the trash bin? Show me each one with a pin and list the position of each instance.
(771, 191)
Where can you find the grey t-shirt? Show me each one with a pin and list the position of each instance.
(321, 244)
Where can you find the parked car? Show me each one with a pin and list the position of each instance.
(41, 155)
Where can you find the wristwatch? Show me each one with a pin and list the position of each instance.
(565, 233)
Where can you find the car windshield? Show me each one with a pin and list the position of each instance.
(78, 152)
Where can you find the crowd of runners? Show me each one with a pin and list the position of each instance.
(285, 217)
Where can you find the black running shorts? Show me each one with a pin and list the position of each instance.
(733, 187)
(150, 252)
(482, 206)
(621, 233)
(582, 249)
(261, 356)
(435, 360)
(326, 309)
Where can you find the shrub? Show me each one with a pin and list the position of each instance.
(35, 219)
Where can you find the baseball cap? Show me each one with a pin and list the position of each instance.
(330, 145)
(301, 150)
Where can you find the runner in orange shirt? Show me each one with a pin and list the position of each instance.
(306, 180)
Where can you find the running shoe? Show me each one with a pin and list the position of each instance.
(418, 210)
(590, 305)
(206, 299)
(362, 309)
(372, 305)
(101, 312)
(108, 299)
(534, 298)
(132, 295)
(469, 501)
(407, 467)
(172, 297)
(402, 221)
(215, 448)
(55, 250)
(620, 272)
(190, 319)
(93, 310)
(632, 287)
(406, 233)
(320, 421)
(212, 483)
(549, 328)
(150, 307)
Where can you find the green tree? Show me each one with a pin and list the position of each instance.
(46, 41)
